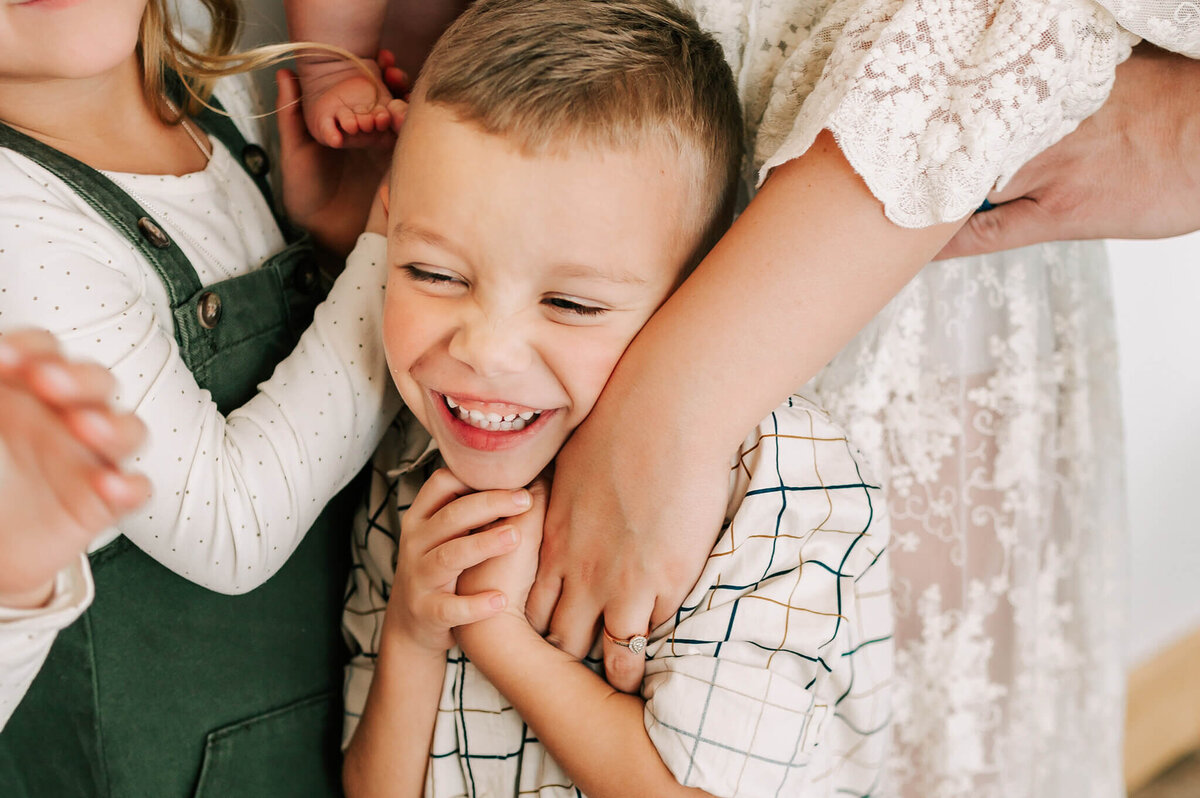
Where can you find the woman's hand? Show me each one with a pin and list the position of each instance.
(1131, 170)
(61, 445)
(438, 542)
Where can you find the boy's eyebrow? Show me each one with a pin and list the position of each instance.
(431, 238)
(584, 271)
(564, 270)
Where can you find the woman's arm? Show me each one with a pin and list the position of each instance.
(811, 260)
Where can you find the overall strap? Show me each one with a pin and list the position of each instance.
(216, 122)
(117, 208)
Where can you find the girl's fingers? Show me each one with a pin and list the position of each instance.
(454, 556)
(62, 383)
(19, 346)
(449, 610)
(120, 490)
(113, 436)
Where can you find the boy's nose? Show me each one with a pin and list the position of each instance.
(491, 347)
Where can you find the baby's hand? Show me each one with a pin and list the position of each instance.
(60, 479)
(513, 573)
(343, 107)
(438, 543)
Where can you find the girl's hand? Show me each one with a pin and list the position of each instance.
(438, 542)
(328, 192)
(512, 573)
(60, 479)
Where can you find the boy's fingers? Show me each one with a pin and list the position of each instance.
(458, 554)
(450, 610)
(477, 509)
(440, 489)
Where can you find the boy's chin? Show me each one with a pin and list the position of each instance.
(495, 476)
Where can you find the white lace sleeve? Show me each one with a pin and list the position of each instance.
(1171, 24)
(932, 101)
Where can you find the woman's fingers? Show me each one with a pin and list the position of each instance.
(624, 653)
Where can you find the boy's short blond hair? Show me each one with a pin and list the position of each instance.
(612, 73)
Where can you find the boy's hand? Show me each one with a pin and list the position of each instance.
(328, 192)
(60, 448)
(438, 543)
(512, 573)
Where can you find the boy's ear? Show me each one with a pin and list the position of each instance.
(377, 218)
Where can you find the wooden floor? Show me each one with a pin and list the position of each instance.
(1180, 781)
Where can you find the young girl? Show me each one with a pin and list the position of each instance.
(139, 228)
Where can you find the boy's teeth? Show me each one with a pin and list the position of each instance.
(494, 422)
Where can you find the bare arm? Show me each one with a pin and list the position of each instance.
(806, 266)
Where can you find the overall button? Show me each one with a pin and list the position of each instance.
(153, 233)
(208, 309)
(255, 159)
(306, 278)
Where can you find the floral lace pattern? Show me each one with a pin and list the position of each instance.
(985, 392)
(933, 102)
(1171, 24)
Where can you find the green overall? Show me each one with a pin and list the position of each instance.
(163, 688)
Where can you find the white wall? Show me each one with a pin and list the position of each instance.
(1157, 288)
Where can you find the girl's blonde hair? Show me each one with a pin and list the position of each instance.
(163, 51)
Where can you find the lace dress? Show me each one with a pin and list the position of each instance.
(986, 391)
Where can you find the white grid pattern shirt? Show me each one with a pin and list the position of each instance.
(773, 678)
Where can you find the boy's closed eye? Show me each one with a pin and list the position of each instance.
(563, 306)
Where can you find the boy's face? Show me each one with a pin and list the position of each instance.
(516, 281)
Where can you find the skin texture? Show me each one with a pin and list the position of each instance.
(1131, 170)
(630, 522)
(61, 449)
(507, 291)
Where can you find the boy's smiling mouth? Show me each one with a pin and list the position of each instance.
(492, 416)
(490, 426)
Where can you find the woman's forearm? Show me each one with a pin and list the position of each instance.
(594, 732)
(807, 265)
(390, 748)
